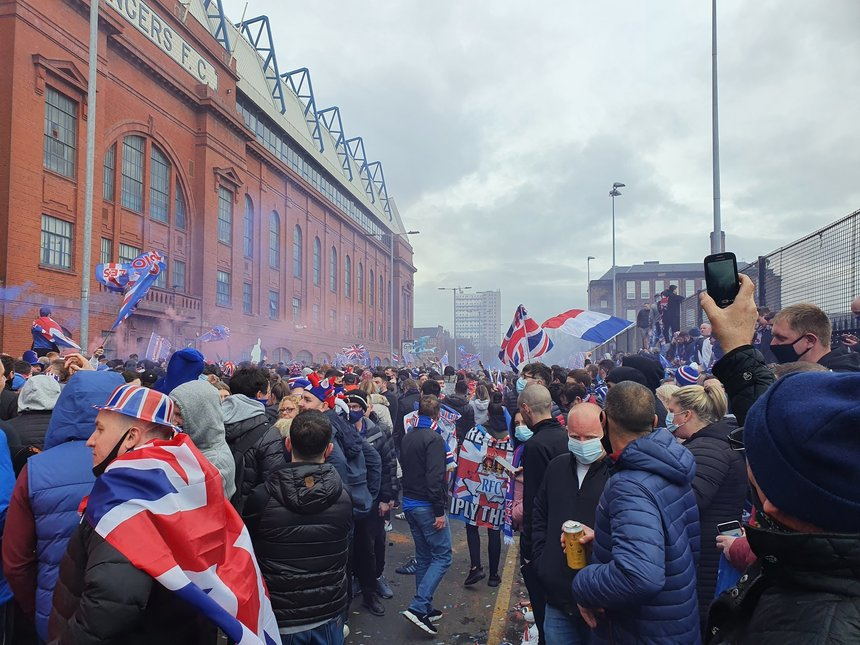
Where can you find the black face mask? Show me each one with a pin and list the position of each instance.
(99, 468)
(786, 353)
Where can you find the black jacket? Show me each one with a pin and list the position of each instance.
(8, 404)
(841, 359)
(257, 449)
(745, 376)
(383, 443)
(422, 460)
(393, 406)
(301, 539)
(102, 598)
(549, 441)
(804, 588)
(560, 498)
(466, 422)
(405, 405)
(721, 488)
(30, 426)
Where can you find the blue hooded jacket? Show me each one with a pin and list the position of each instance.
(61, 476)
(646, 546)
(7, 483)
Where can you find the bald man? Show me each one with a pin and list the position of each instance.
(570, 490)
(851, 340)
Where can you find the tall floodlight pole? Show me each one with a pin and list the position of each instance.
(717, 242)
(456, 290)
(613, 194)
(87, 260)
(588, 278)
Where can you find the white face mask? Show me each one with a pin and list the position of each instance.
(586, 452)
(523, 433)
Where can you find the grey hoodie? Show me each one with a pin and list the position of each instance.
(480, 408)
(238, 407)
(202, 419)
(39, 393)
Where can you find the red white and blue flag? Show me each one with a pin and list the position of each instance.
(355, 352)
(218, 332)
(51, 331)
(588, 325)
(158, 348)
(162, 506)
(147, 266)
(524, 341)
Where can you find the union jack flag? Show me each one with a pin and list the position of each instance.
(355, 352)
(162, 506)
(136, 292)
(51, 331)
(524, 341)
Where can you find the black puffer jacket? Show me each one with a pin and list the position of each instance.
(560, 498)
(301, 541)
(721, 487)
(745, 376)
(102, 598)
(378, 437)
(805, 588)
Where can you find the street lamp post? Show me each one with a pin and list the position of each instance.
(613, 194)
(391, 288)
(456, 290)
(588, 278)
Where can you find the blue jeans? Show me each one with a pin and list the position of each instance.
(433, 555)
(558, 627)
(330, 633)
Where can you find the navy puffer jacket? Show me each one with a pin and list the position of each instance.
(646, 547)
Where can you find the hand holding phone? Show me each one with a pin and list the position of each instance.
(732, 529)
(721, 278)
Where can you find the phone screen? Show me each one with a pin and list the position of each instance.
(730, 528)
(721, 278)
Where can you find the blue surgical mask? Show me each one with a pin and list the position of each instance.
(586, 452)
(523, 433)
(355, 416)
(671, 426)
(521, 384)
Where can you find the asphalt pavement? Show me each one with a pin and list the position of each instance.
(477, 615)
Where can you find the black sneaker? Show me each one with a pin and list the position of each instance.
(494, 580)
(420, 620)
(408, 568)
(371, 601)
(434, 616)
(383, 589)
(475, 574)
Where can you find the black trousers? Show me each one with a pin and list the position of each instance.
(494, 547)
(369, 550)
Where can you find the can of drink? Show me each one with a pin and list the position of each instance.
(572, 547)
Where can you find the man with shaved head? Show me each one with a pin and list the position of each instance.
(570, 490)
(549, 440)
(851, 340)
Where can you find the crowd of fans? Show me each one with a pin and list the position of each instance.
(753, 421)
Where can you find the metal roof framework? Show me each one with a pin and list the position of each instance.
(299, 81)
(259, 34)
(356, 150)
(215, 15)
(331, 120)
(378, 179)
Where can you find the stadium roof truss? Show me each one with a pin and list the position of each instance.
(218, 23)
(331, 120)
(299, 81)
(259, 34)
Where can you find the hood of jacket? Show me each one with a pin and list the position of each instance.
(651, 368)
(345, 434)
(38, 394)
(456, 401)
(202, 417)
(74, 416)
(238, 407)
(840, 359)
(184, 366)
(480, 405)
(306, 488)
(658, 452)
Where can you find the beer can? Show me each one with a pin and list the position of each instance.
(575, 551)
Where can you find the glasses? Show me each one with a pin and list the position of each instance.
(736, 439)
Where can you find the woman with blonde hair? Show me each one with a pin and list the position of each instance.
(697, 416)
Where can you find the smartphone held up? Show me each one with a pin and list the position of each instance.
(721, 278)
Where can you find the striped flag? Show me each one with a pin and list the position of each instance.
(524, 341)
(158, 348)
(153, 264)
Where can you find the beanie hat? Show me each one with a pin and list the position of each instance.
(801, 445)
(359, 397)
(686, 375)
(320, 388)
(184, 366)
(30, 357)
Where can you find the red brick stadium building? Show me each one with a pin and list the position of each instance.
(272, 220)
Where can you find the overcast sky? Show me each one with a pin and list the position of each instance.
(501, 126)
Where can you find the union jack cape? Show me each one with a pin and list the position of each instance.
(524, 341)
(48, 328)
(162, 506)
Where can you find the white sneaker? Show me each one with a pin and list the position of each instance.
(345, 631)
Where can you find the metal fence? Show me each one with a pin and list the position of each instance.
(820, 269)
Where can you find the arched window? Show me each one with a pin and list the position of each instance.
(159, 185)
(347, 277)
(133, 148)
(360, 282)
(317, 261)
(371, 287)
(275, 241)
(297, 251)
(332, 271)
(248, 228)
(381, 292)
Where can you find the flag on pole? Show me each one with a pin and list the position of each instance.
(444, 360)
(588, 325)
(153, 264)
(355, 352)
(171, 532)
(158, 348)
(218, 332)
(524, 341)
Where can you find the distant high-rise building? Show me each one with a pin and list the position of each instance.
(477, 321)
